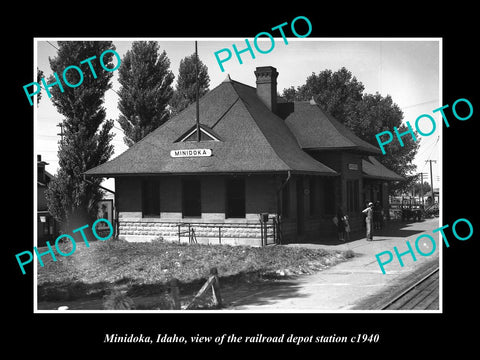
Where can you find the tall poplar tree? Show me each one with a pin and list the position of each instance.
(39, 76)
(185, 91)
(145, 91)
(86, 140)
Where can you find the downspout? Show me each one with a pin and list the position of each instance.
(101, 187)
(289, 175)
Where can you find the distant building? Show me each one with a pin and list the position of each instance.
(46, 224)
(436, 197)
(256, 155)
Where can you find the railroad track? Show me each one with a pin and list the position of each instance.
(422, 295)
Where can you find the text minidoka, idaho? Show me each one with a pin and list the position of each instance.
(74, 245)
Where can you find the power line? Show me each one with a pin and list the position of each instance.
(422, 103)
(431, 152)
(431, 176)
(53, 45)
(60, 125)
(117, 128)
(430, 146)
(115, 91)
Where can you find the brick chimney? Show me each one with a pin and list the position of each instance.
(267, 86)
(41, 169)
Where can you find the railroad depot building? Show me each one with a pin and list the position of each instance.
(261, 171)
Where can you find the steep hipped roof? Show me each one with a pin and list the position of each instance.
(317, 130)
(48, 178)
(251, 139)
(374, 169)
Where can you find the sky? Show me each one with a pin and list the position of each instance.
(409, 70)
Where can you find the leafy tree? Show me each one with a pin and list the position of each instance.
(39, 77)
(185, 91)
(87, 137)
(336, 92)
(418, 186)
(290, 94)
(341, 95)
(145, 90)
(374, 114)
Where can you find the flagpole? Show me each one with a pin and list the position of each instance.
(196, 83)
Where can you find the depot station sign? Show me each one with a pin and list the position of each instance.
(190, 153)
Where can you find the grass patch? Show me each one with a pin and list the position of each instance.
(146, 268)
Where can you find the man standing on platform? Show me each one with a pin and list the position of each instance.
(369, 220)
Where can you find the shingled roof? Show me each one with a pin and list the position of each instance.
(374, 169)
(317, 130)
(250, 138)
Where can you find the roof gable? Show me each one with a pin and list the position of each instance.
(253, 139)
(315, 129)
(276, 133)
(206, 134)
(374, 169)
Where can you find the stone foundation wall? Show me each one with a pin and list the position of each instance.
(249, 233)
(205, 233)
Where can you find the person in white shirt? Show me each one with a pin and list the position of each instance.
(369, 220)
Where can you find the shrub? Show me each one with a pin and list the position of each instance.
(116, 300)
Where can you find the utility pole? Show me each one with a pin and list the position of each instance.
(61, 131)
(421, 186)
(431, 178)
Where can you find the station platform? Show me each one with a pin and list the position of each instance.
(348, 285)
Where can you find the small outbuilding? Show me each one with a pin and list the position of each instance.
(47, 226)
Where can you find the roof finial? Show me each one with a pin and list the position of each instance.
(312, 101)
(227, 79)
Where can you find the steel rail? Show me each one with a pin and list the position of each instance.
(409, 289)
